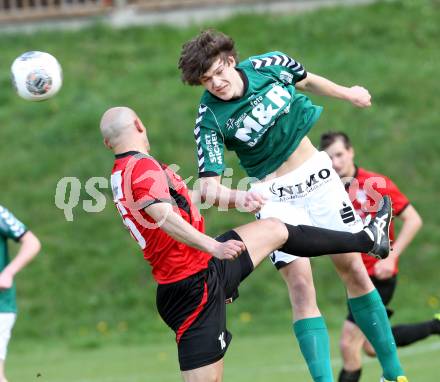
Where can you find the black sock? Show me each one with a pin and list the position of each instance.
(349, 376)
(407, 334)
(308, 241)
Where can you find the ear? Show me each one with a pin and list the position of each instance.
(351, 151)
(139, 126)
(107, 143)
(231, 61)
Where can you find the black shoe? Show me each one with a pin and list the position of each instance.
(379, 227)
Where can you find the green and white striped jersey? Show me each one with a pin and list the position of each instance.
(10, 228)
(264, 126)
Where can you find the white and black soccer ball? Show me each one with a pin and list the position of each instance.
(36, 76)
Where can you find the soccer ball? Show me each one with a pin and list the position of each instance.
(36, 76)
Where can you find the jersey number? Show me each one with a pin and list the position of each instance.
(116, 182)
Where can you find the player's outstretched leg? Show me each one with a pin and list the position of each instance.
(407, 334)
(307, 241)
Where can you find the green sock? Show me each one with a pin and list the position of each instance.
(371, 317)
(313, 340)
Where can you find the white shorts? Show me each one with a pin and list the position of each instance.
(312, 195)
(7, 321)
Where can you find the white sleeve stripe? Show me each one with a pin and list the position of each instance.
(200, 154)
(16, 227)
(281, 60)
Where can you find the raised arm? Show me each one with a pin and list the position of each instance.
(357, 95)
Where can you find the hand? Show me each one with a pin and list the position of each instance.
(229, 250)
(384, 269)
(252, 202)
(359, 96)
(6, 280)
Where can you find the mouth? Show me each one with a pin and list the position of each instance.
(222, 89)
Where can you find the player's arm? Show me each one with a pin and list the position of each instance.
(179, 229)
(213, 192)
(211, 165)
(29, 248)
(412, 222)
(318, 85)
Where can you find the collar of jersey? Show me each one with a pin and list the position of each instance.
(128, 153)
(356, 173)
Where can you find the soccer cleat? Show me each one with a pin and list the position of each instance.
(399, 379)
(379, 230)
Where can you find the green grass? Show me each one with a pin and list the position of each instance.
(87, 303)
(250, 359)
(90, 278)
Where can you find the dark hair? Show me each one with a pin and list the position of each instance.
(199, 54)
(331, 137)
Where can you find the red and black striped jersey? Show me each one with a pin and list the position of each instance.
(138, 181)
(365, 192)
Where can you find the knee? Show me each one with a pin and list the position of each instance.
(278, 229)
(350, 264)
(212, 376)
(302, 285)
(352, 269)
(369, 350)
(346, 345)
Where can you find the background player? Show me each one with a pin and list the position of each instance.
(11, 228)
(362, 185)
(193, 286)
(252, 108)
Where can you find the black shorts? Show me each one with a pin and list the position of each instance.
(386, 290)
(195, 308)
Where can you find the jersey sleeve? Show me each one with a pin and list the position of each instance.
(400, 201)
(281, 66)
(10, 226)
(210, 146)
(149, 183)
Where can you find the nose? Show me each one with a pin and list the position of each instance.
(216, 82)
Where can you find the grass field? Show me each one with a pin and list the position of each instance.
(91, 266)
(250, 359)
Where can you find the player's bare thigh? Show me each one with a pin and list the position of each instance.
(262, 237)
(208, 373)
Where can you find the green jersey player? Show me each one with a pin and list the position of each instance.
(11, 228)
(253, 108)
